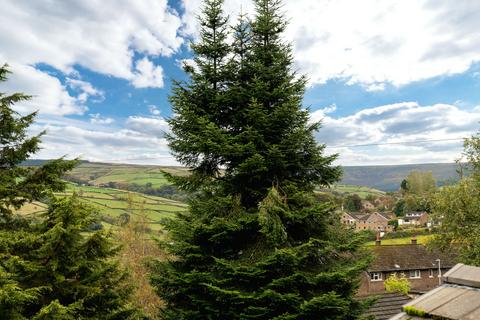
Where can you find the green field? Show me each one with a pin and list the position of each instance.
(423, 239)
(114, 202)
(361, 191)
(32, 209)
(102, 173)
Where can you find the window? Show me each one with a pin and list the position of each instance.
(430, 274)
(375, 276)
(415, 274)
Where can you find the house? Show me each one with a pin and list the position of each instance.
(458, 298)
(348, 219)
(374, 221)
(412, 261)
(414, 218)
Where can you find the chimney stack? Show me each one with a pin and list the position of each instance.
(378, 242)
(414, 240)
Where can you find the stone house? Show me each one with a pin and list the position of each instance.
(348, 219)
(414, 218)
(374, 222)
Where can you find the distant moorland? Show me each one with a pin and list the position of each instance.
(384, 178)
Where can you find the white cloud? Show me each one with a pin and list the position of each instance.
(96, 142)
(49, 96)
(154, 110)
(101, 36)
(104, 37)
(399, 130)
(374, 87)
(147, 75)
(399, 133)
(86, 90)
(373, 42)
(156, 127)
(97, 118)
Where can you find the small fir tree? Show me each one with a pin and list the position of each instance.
(255, 243)
(70, 271)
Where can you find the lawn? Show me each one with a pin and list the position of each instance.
(423, 239)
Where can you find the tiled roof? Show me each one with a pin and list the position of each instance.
(376, 217)
(387, 305)
(359, 215)
(408, 257)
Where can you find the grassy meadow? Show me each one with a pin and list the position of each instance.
(361, 191)
(102, 173)
(112, 203)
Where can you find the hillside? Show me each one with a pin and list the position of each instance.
(102, 173)
(112, 203)
(388, 178)
(384, 178)
(362, 191)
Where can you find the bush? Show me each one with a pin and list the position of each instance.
(397, 284)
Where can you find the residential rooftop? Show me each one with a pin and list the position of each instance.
(387, 305)
(408, 257)
(457, 299)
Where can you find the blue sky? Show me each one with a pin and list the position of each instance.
(401, 77)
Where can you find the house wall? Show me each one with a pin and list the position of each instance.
(424, 283)
(375, 226)
(347, 219)
(423, 219)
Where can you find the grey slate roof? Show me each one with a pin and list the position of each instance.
(387, 305)
(463, 275)
(457, 299)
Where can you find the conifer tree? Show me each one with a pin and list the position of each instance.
(68, 272)
(255, 244)
(20, 184)
(50, 267)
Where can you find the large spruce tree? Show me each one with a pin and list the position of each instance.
(51, 266)
(254, 244)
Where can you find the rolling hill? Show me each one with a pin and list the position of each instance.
(112, 203)
(384, 178)
(388, 178)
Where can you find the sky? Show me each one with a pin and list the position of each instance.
(393, 81)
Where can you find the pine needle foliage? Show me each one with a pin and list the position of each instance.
(62, 271)
(255, 244)
(19, 184)
(51, 267)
